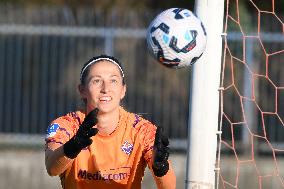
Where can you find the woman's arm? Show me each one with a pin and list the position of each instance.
(167, 181)
(156, 154)
(55, 160)
(59, 156)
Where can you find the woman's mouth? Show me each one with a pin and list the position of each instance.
(105, 99)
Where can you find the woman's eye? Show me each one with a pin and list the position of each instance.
(96, 81)
(113, 81)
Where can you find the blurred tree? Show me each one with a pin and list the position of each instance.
(107, 4)
(149, 4)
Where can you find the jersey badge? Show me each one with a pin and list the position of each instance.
(51, 130)
(127, 147)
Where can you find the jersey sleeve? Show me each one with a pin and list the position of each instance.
(168, 180)
(59, 132)
(148, 131)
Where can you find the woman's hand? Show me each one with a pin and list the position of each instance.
(83, 136)
(161, 154)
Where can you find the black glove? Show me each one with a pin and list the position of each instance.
(161, 154)
(83, 136)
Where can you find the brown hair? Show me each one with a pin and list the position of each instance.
(86, 68)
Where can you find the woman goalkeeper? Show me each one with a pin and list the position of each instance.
(104, 146)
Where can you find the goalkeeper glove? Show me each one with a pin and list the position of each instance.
(161, 154)
(83, 136)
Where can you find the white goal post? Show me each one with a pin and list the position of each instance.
(204, 100)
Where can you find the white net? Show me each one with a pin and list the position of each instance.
(252, 113)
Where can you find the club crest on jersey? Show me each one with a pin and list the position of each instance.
(51, 130)
(127, 147)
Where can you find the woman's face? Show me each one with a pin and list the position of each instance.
(103, 88)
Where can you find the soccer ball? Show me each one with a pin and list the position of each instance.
(176, 38)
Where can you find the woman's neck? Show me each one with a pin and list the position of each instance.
(107, 122)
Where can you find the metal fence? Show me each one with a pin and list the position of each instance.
(43, 49)
(40, 68)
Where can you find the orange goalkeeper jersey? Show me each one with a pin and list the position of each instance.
(116, 161)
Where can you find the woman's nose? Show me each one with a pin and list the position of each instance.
(105, 87)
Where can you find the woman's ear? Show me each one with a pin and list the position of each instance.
(123, 92)
(82, 91)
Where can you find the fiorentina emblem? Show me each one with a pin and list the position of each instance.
(127, 147)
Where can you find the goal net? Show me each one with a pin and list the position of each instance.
(251, 147)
